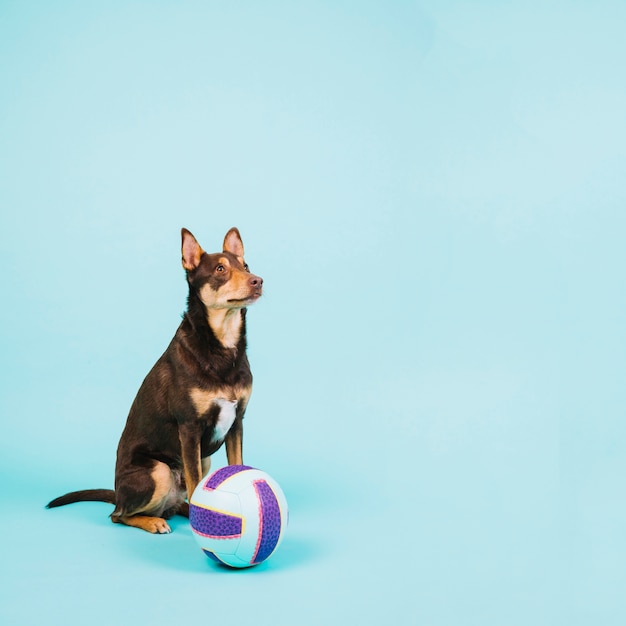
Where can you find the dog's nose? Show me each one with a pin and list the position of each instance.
(256, 281)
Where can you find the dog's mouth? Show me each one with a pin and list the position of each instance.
(253, 297)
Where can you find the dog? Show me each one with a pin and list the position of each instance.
(194, 398)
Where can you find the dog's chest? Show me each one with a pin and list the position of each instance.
(220, 407)
(225, 418)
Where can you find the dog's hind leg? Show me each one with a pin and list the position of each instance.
(143, 495)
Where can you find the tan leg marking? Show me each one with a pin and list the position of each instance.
(206, 465)
(163, 485)
(234, 445)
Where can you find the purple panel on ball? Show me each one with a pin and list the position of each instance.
(216, 558)
(269, 531)
(209, 523)
(217, 478)
(211, 555)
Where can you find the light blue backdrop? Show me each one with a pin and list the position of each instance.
(434, 194)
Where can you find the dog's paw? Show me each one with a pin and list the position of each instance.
(154, 525)
(157, 526)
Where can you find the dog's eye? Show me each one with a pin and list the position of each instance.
(219, 268)
(246, 267)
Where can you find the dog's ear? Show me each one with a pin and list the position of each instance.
(191, 250)
(233, 243)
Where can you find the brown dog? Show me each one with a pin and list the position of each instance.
(192, 400)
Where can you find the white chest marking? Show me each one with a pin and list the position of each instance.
(225, 419)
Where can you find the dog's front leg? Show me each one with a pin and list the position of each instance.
(234, 442)
(190, 435)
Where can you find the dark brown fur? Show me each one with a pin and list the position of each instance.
(192, 400)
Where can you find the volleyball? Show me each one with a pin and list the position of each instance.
(238, 515)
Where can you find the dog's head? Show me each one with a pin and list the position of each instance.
(223, 279)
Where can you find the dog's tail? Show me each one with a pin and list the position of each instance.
(87, 495)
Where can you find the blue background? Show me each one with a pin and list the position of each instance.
(434, 194)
